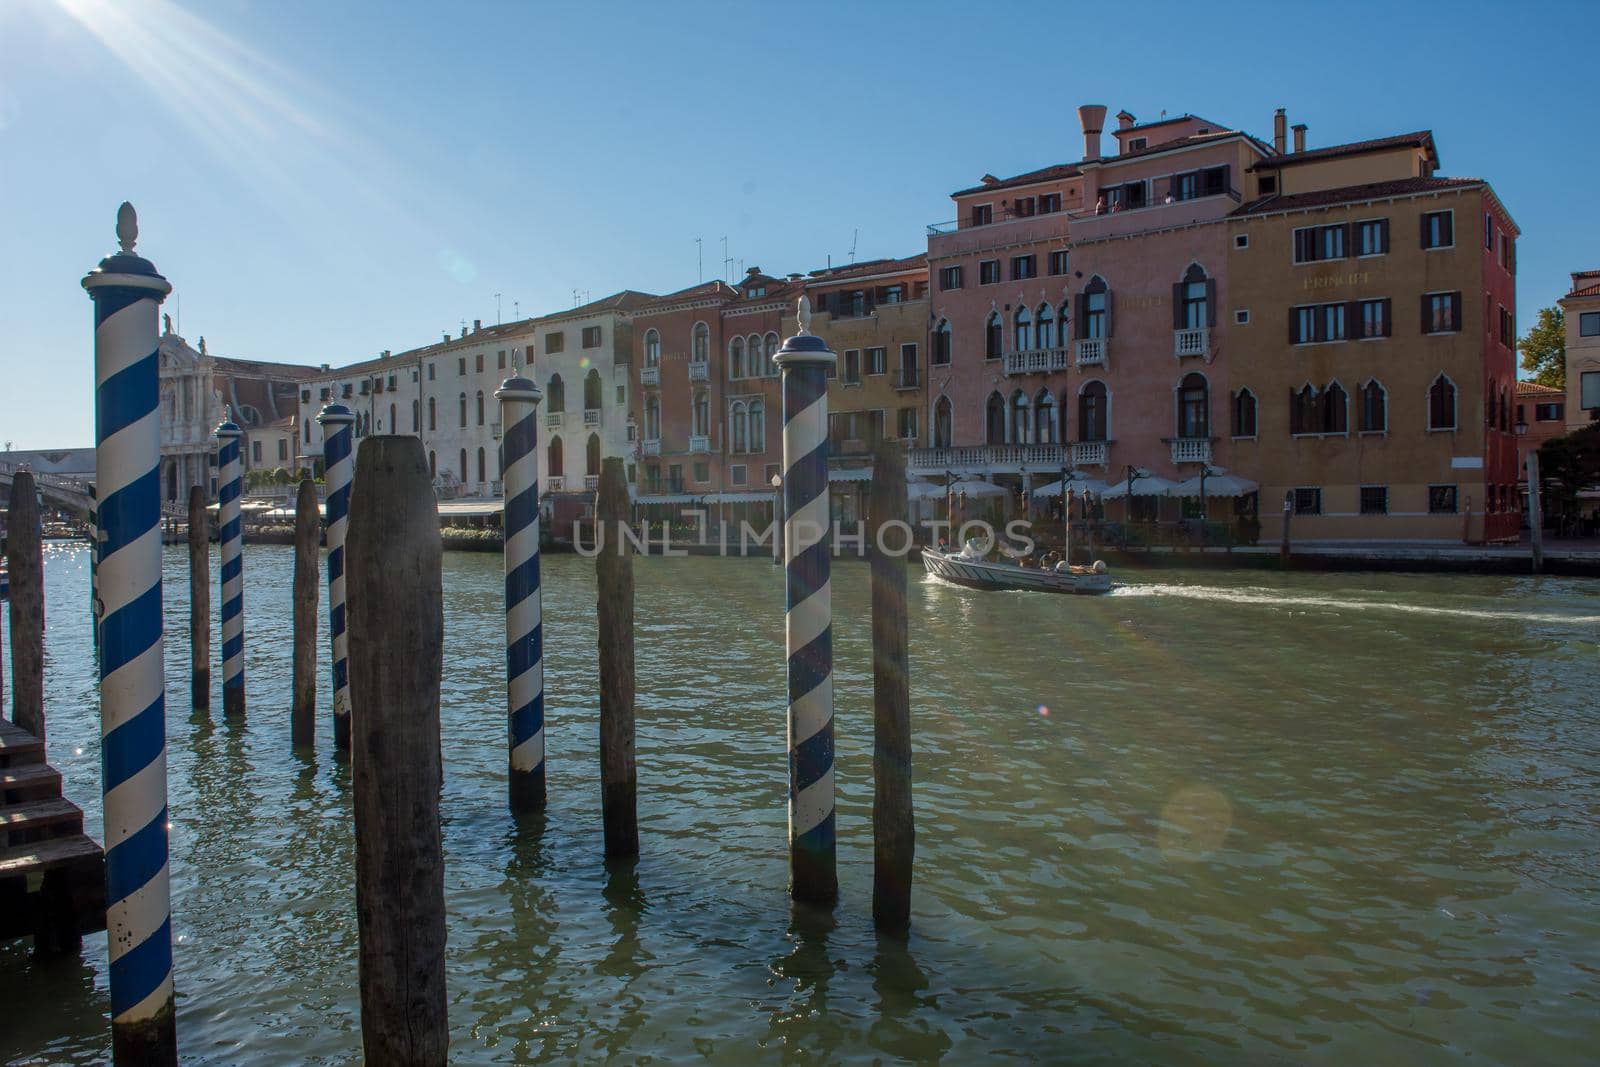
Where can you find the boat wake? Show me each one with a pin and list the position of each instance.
(1273, 598)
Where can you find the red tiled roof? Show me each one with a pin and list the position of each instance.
(1032, 177)
(1589, 290)
(870, 267)
(1415, 139)
(1352, 194)
(1071, 170)
(704, 291)
(1167, 122)
(1536, 389)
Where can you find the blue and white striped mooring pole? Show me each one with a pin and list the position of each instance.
(338, 424)
(519, 466)
(230, 543)
(808, 619)
(133, 750)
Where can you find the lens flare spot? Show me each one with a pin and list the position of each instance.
(583, 364)
(1043, 711)
(1193, 824)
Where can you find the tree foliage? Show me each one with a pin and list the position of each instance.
(1544, 349)
(1571, 463)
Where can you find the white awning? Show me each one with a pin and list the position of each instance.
(975, 487)
(1078, 485)
(850, 474)
(1144, 486)
(465, 509)
(1217, 483)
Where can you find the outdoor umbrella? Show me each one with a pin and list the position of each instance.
(1079, 486)
(974, 488)
(1218, 483)
(1145, 486)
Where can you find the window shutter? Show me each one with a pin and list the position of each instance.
(1427, 320)
(1109, 296)
(1383, 235)
(1388, 304)
(1345, 242)
(1455, 311)
(1294, 321)
(1211, 302)
(1423, 238)
(1177, 306)
(1080, 307)
(1352, 320)
(1447, 227)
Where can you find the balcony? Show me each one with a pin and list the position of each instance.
(699, 443)
(591, 482)
(1036, 361)
(1092, 351)
(555, 483)
(591, 418)
(552, 419)
(494, 430)
(1090, 453)
(700, 372)
(650, 375)
(497, 488)
(908, 379)
(650, 446)
(984, 459)
(1190, 449)
(1196, 343)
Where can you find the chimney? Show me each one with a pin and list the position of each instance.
(1092, 117)
(1279, 123)
(1299, 136)
(477, 324)
(446, 337)
(1124, 120)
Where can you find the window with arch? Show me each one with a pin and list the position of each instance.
(736, 358)
(433, 414)
(592, 456)
(941, 343)
(416, 426)
(1305, 410)
(480, 407)
(1442, 404)
(993, 336)
(1094, 309)
(994, 420)
(1194, 303)
(1094, 410)
(394, 425)
(1021, 417)
(700, 346)
(1374, 407)
(1505, 409)
(463, 406)
(652, 418)
(1063, 405)
(738, 427)
(1047, 326)
(1335, 409)
(433, 465)
(772, 346)
(592, 389)
(463, 466)
(701, 414)
(483, 466)
(652, 347)
(1244, 413)
(943, 418)
(555, 397)
(753, 366)
(1044, 418)
(1023, 335)
(553, 460)
(758, 426)
(1194, 407)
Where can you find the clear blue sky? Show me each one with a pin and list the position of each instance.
(321, 181)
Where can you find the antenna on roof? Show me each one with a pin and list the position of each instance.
(727, 260)
(700, 258)
(516, 309)
(497, 309)
(854, 238)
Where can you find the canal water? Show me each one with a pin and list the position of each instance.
(1214, 817)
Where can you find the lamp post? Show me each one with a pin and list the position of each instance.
(777, 519)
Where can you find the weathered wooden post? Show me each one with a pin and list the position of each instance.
(893, 829)
(808, 619)
(25, 557)
(230, 547)
(619, 783)
(1466, 523)
(1288, 513)
(127, 291)
(199, 599)
(1535, 511)
(307, 534)
(338, 424)
(519, 466)
(396, 608)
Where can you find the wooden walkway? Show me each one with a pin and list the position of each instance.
(52, 876)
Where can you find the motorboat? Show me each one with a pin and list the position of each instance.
(972, 567)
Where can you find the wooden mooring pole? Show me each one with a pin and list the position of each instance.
(230, 547)
(395, 603)
(1288, 514)
(619, 783)
(25, 557)
(1535, 511)
(199, 600)
(307, 534)
(893, 829)
(519, 466)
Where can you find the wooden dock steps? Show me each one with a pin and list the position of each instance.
(52, 876)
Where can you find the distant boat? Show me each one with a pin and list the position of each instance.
(969, 567)
(5, 582)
